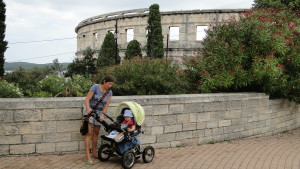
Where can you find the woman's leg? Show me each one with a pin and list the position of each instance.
(87, 140)
(94, 140)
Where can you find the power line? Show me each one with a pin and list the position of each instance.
(43, 56)
(47, 40)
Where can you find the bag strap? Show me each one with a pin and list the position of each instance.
(100, 100)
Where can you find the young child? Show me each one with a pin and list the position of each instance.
(126, 124)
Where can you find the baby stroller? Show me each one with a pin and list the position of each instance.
(128, 148)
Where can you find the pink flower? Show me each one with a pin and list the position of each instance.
(291, 24)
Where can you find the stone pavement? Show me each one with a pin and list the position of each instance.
(280, 151)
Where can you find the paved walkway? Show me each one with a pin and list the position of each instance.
(281, 151)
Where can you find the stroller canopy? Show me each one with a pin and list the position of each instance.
(137, 110)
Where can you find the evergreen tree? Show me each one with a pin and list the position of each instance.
(85, 66)
(133, 49)
(108, 54)
(3, 43)
(155, 45)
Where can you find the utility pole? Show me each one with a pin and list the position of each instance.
(167, 46)
(116, 39)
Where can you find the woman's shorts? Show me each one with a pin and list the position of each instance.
(92, 120)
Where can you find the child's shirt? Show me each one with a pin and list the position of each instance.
(128, 124)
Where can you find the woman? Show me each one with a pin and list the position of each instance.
(95, 93)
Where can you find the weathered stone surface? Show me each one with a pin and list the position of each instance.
(68, 126)
(4, 149)
(62, 114)
(28, 115)
(22, 149)
(67, 146)
(160, 109)
(45, 148)
(157, 130)
(10, 139)
(17, 128)
(32, 138)
(173, 128)
(6, 116)
(176, 109)
(43, 127)
(165, 137)
(57, 137)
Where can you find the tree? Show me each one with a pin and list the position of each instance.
(133, 49)
(3, 43)
(107, 55)
(56, 67)
(155, 45)
(85, 67)
(293, 5)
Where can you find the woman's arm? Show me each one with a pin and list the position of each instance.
(87, 101)
(105, 108)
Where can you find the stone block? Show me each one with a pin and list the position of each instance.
(223, 123)
(193, 107)
(45, 148)
(165, 137)
(22, 149)
(167, 120)
(67, 146)
(201, 125)
(151, 121)
(62, 114)
(160, 109)
(32, 139)
(43, 127)
(215, 116)
(203, 117)
(76, 136)
(6, 116)
(189, 126)
(207, 132)
(148, 110)
(16, 128)
(193, 117)
(4, 149)
(161, 145)
(68, 126)
(184, 135)
(251, 103)
(148, 139)
(233, 114)
(189, 142)
(173, 128)
(176, 109)
(212, 124)
(217, 131)
(175, 143)
(216, 106)
(10, 139)
(57, 137)
(238, 104)
(27, 115)
(157, 130)
(198, 133)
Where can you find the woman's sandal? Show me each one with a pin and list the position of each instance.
(88, 162)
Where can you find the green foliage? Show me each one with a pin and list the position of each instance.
(258, 53)
(85, 66)
(41, 94)
(144, 76)
(80, 85)
(55, 85)
(3, 43)
(108, 52)
(9, 90)
(155, 44)
(133, 49)
(293, 5)
(27, 79)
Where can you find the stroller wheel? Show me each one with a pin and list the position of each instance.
(104, 152)
(148, 154)
(128, 159)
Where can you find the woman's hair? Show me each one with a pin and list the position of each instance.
(108, 78)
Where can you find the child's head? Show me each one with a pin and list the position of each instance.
(128, 115)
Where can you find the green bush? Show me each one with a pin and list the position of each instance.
(80, 85)
(41, 94)
(55, 85)
(9, 90)
(143, 76)
(258, 53)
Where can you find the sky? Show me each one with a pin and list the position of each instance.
(39, 31)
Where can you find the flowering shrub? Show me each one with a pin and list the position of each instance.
(55, 85)
(9, 90)
(80, 85)
(261, 52)
(144, 76)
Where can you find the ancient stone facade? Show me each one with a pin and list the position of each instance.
(187, 28)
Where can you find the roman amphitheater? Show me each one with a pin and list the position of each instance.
(183, 31)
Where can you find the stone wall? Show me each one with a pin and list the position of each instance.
(51, 125)
(91, 31)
